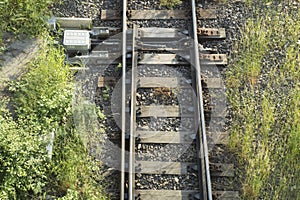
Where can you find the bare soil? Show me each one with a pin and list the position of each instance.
(18, 53)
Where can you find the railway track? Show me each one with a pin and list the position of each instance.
(149, 46)
(152, 130)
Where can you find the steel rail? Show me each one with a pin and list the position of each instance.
(123, 111)
(200, 100)
(132, 119)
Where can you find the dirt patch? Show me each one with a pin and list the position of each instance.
(16, 57)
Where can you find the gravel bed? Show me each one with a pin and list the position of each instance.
(216, 124)
(164, 71)
(224, 183)
(165, 124)
(158, 124)
(166, 152)
(231, 16)
(87, 9)
(167, 182)
(182, 97)
(215, 101)
(212, 71)
(165, 23)
(149, 96)
(78, 8)
(112, 71)
(219, 154)
(107, 23)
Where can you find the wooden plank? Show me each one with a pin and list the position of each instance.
(220, 169)
(162, 111)
(226, 195)
(158, 14)
(211, 33)
(167, 194)
(159, 111)
(106, 81)
(217, 111)
(173, 59)
(218, 137)
(163, 59)
(67, 22)
(213, 59)
(206, 13)
(157, 167)
(169, 82)
(110, 14)
(165, 137)
(175, 82)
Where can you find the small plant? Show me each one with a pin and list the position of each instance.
(170, 3)
(106, 93)
(100, 114)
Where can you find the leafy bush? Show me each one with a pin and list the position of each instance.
(43, 96)
(23, 161)
(42, 101)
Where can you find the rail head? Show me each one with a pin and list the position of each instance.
(123, 111)
(202, 130)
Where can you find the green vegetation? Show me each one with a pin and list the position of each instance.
(170, 3)
(37, 105)
(263, 88)
(42, 101)
(23, 16)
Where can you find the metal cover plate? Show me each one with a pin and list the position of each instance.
(213, 59)
(211, 33)
(76, 37)
(171, 59)
(160, 32)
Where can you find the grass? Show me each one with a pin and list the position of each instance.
(23, 16)
(263, 89)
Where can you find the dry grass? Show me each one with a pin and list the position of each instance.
(264, 90)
